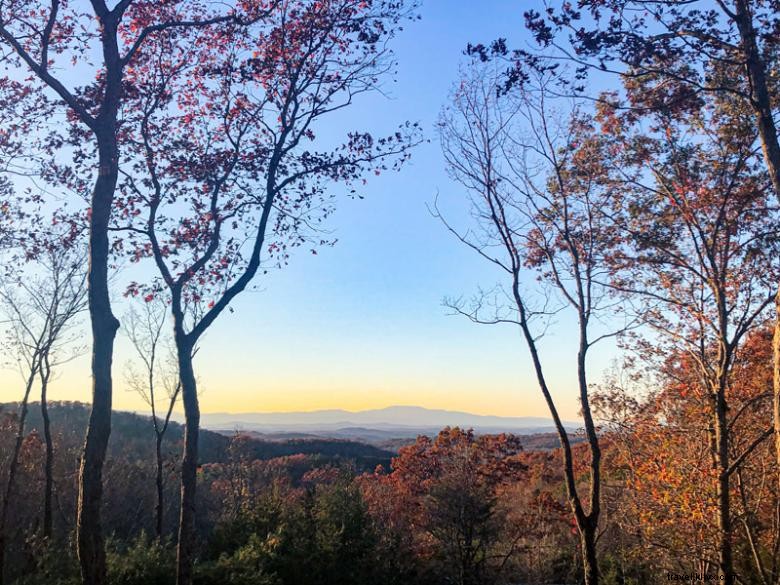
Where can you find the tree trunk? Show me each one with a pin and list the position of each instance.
(725, 560)
(13, 466)
(49, 463)
(725, 556)
(586, 524)
(760, 96)
(776, 395)
(159, 482)
(590, 524)
(189, 466)
(89, 536)
(590, 567)
(761, 102)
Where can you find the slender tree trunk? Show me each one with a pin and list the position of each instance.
(13, 467)
(776, 384)
(590, 526)
(189, 466)
(725, 555)
(49, 463)
(159, 482)
(585, 525)
(776, 398)
(89, 535)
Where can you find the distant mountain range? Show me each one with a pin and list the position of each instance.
(332, 435)
(375, 425)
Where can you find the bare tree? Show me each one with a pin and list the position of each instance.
(41, 311)
(145, 328)
(539, 215)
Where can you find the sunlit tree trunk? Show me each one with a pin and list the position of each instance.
(189, 465)
(761, 103)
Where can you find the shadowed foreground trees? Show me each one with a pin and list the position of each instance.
(228, 175)
(441, 500)
(42, 43)
(460, 506)
(41, 311)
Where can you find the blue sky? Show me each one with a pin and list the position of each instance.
(361, 325)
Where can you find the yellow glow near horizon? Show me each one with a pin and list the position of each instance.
(239, 394)
(292, 400)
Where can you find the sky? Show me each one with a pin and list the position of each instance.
(361, 325)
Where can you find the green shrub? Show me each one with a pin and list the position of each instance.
(55, 564)
(246, 566)
(144, 562)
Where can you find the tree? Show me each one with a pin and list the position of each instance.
(445, 491)
(540, 206)
(698, 248)
(663, 442)
(227, 168)
(144, 328)
(669, 56)
(43, 41)
(273, 528)
(40, 310)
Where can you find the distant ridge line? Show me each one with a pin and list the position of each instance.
(400, 418)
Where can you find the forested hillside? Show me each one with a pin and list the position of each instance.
(470, 508)
(295, 511)
(131, 438)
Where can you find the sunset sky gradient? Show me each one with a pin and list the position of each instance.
(361, 325)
